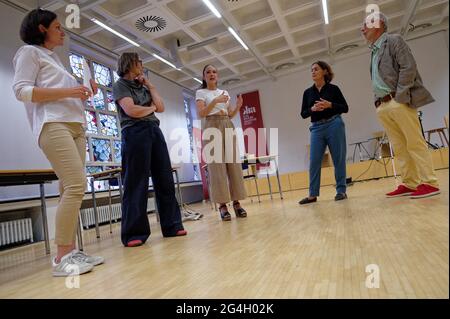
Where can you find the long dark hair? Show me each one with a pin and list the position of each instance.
(204, 84)
(29, 30)
(329, 76)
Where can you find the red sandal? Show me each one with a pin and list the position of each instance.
(134, 243)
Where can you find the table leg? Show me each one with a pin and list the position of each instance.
(445, 137)
(94, 203)
(119, 179)
(354, 154)
(270, 186)
(44, 219)
(110, 207)
(180, 200)
(80, 234)
(278, 179)
(360, 152)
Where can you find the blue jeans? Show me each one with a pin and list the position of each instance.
(331, 134)
(144, 150)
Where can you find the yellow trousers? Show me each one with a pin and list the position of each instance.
(402, 126)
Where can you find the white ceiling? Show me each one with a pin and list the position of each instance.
(283, 35)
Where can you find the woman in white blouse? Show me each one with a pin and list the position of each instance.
(54, 103)
(225, 173)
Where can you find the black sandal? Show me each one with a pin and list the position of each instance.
(240, 212)
(225, 215)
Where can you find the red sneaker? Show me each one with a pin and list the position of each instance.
(402, 190)
(424, 190)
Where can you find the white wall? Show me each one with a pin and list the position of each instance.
(281, 100)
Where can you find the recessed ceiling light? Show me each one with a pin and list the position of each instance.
(347, 47)
(230, 81)
(284, 66)
(419, 26)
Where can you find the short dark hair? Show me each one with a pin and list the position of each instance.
(29, 30)
(126, 61)
(329, 76)
(204, 84)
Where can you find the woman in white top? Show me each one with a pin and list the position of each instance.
(225, 173)
(54, 103)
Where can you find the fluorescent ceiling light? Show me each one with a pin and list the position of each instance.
(165, 61)
(325, 11)
(198, 80)
(212, 8)
(237, 37)
(104, 26)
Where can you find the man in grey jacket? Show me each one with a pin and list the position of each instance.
(399, 91)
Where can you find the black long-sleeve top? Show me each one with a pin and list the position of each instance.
(329, 92)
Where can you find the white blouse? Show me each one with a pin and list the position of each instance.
(36, 66)
(208, 95)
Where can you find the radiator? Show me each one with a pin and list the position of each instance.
(16, 231)
(88, 218)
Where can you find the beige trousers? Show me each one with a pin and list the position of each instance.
(64, 145)
(402, 126)
(225, 173)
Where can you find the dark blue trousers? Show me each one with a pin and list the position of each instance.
(144, 150)
(331, 134)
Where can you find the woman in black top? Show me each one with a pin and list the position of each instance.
(324, 103)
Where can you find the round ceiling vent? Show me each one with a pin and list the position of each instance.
(230, 81)
(151, 24)
(419, 26)
(285, 66)
(347, 47)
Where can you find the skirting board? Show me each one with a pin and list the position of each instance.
(360, 171)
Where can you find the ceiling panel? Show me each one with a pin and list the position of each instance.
(291, 37)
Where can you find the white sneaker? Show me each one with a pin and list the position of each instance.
(83, 257)
(187, 215)
(69, 266)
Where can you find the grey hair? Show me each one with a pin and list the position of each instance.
(378, 15)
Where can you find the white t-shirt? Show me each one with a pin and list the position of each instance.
(36, 66)
(208, 95)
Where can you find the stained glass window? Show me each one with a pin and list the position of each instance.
(109, 125)
(110, 100)
(103, 146)
(190, 128)
(91, 122)
(93, 169)
(99, 100)
(116, 76)
(117, 152)
(76, 63)
(98, 185)
(101, 149)
(102, 74)
(87, 151)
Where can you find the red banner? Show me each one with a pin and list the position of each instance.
(251, 118)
